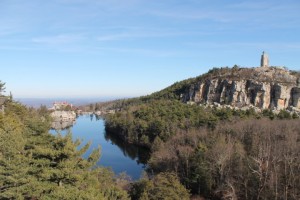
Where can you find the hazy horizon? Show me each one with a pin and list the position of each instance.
(77, 101)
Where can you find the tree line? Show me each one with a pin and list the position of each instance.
(216, 153)
(153, 121)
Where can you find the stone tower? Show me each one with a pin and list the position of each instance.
(264, 62)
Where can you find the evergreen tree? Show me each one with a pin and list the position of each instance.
(164, 186)
(2, 87)
(37, 165)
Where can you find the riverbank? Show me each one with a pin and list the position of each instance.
(115, 153)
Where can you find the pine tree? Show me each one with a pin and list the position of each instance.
(2, 87)
(37, 165)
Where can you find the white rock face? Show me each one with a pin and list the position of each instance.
(264, 92)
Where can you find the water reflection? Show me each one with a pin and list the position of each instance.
(62, 125)
(97, 117)
(140, 154)
(115, 153)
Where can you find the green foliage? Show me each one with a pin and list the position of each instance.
(200, 180)
(2, 87)
(37, 165)
(295, 116)
(142, 124)
(224, 113)
(173, 92)
(268, 113)
(283, 114)
(164, 186)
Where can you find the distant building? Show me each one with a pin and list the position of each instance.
(264, 62)
(61, 105)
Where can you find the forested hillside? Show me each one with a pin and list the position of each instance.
(246, 159)
(157, 120)
(217, 152)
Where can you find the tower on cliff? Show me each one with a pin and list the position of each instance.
(264, 62)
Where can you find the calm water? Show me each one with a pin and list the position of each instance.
(114, 152)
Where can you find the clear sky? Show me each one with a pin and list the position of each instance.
(96, 48)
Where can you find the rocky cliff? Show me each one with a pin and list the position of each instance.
(263, 87)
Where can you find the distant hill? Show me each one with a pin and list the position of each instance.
(262, 87)
(273, 88)
(37, 102)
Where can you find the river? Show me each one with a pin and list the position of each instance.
(116, 154)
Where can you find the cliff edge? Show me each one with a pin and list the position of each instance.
(273, 88)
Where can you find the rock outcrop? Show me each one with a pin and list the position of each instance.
(63, 115)
(265, 88)
(62, 119)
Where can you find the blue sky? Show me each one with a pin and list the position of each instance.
(97, 48)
